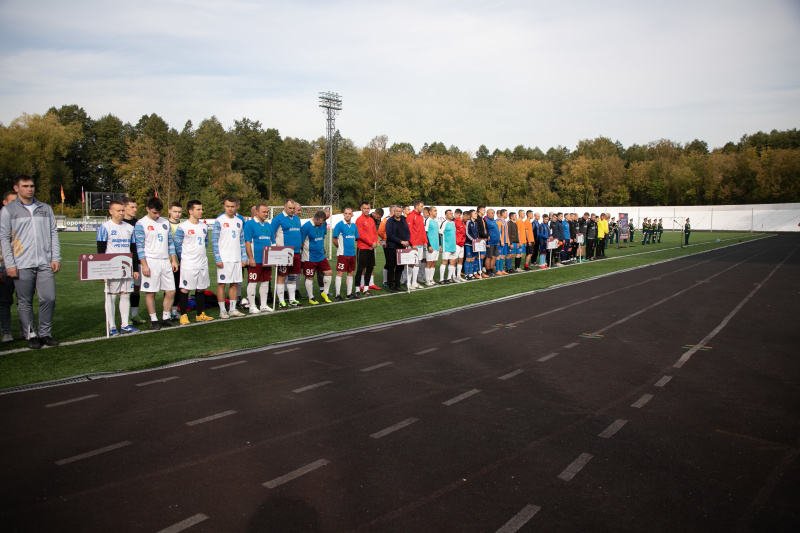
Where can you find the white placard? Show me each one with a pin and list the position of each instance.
(478, 245)
(105, 266)
(580, 238)
(407, 257)
(552, 243)
(278, 256)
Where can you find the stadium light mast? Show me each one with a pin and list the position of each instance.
(332, 104)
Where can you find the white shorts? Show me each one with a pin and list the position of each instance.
(161, 277)
(116, 286)
(459, 252)
(431, 256)
(230, 272)
(449, 256)
(194, 279)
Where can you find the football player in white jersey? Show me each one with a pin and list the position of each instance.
(191, 242)
(157, 257)
(116, 237)
(227, 243)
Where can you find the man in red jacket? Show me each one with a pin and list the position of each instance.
(418, 239)
(461, 238)
(366, 244)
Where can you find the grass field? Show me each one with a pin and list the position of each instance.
(79, 313)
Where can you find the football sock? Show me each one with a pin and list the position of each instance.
(165, 315)
(134, 304)
(292, 287)
(174, 308)
(459, 267)
(414, 275)
(442, 268)
(111, 300)
(326, 284)
(199, 302)
(222, 306)
(233, 305)
(349, 285)
(251, 294)
(124, 308)
(153, 317)
(310, 288)
(280, 287)
(338, 284)
(183, 302)
(263, 293)
(372, 279)
(239, 291)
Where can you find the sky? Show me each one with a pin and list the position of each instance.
(464, 73)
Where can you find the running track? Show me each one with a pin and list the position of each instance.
(660, 399)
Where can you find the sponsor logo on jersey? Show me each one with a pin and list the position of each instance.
(191, 232)
(237, 224)
(164, 226)
(225, 225)
(150, 228)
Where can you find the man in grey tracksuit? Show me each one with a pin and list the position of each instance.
(32, 256)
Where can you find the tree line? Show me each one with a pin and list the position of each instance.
(67, 148)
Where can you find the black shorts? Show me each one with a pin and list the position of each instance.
(492, 251)
(366, 259)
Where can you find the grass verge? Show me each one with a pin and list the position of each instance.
(79, 314)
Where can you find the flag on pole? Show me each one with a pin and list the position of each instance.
(156, 193)
(62, 195)
(82, 201)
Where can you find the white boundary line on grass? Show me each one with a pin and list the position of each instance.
(334, 334)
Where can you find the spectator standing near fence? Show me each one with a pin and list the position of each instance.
(687, 230)
(32, 257)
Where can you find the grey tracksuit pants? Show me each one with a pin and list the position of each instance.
(41, 280)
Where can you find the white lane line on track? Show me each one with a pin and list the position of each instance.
(93, 453)
(429, 350)
(162, 380)
(314, 386)
(575, 466)
(73, 400)
(185, 524)
(685, 357)
(643, 400)
(460, 397)
(392, 429)
(369, 368)
(572, 345)
(520, 519)
(489, 331)
(296, 473)
(663, 381)
(460, 340)
(227, 365)
(612, 429)
(287, 351)
(210, 418)
(337, 339)
(511, 374)
(546, 357)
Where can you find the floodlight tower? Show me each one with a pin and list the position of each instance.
(332, 104)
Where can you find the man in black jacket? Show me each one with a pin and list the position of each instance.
(397, 237)
(591, 237)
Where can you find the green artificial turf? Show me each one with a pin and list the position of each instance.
(79, 313)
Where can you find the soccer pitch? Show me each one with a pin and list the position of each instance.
(79, 315)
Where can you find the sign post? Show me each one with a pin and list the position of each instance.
(580, 238)
(552, 244)
(275, 256)
(478, 246)
(105, 267)
(624, 231)
(407, 257)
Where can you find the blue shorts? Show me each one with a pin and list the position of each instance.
(502, 250)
